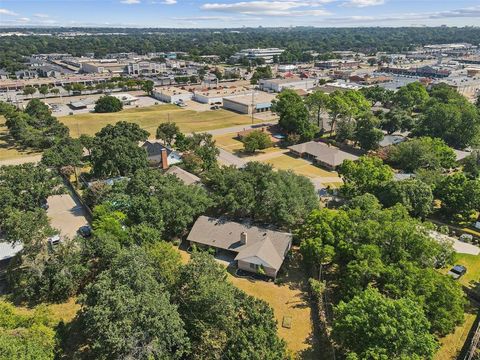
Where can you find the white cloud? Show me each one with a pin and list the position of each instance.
(469, 12)
(41, 16)
(23, 19)
(7, 12)
(169, 2)
(130, 2)
(272, 8)
(364, 3)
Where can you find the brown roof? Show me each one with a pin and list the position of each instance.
(267, 245)
(324, 153)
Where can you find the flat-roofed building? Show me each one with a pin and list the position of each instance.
(101, 67)
(278, 85)
(126, 99)
(215, 96)
(172, 95)
(253, 54)
(145, 68)
(250, 103)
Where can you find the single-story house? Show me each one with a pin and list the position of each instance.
(322, 154)
(183, 175)
(159, 155)
(256, 249)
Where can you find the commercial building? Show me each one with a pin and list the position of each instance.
(215, 96)
(337, 64)
(172, 95)
(278, 85)
(126, 99)
(253, 54)
(250, 103)
(145, 68)
(255, 249)
(424, 71)
(101, 67)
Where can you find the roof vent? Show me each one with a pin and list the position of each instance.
(243, 238)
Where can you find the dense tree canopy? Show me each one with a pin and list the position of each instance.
(108, 104)
(274, 197)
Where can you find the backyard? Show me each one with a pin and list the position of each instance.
(150, 117)
(288, 299)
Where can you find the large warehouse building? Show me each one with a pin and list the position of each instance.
(250, 103)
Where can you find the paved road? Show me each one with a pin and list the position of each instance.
(66, 214)
(459, 246)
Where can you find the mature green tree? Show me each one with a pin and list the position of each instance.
(66, 152)
(167, 132)
(397, 119)
(413, 96)
(29, 90)
(207, 305)
(378, 94)
(44, 90)
(258, 192)
(414, 194)
(37, 109)
(346, 106)
(317, 104)
(202, 145)
(43, 274)
(148, 86)
(374, 326)
(424, 152)
(87, 142)
(166, 261)
(459, 195)
(260, 73)
(456, 121)
(115, 150)
(164, 202)
(294, 116)
(127, 313)
(367, 174)
(367, 133)
(26, 186)
(256, 140)
(471, 164)
(26, 337)
(108, 104)
(117, 157)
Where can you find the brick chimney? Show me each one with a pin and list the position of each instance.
(243, 238)
(164, 159)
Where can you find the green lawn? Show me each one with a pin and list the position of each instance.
(150, 117)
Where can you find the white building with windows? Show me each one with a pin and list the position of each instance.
(253, 54)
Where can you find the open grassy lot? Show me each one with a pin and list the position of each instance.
(230, 143)
(150, 117)
(451, 345)
(301, 167)
(288, 299)
(8, 150)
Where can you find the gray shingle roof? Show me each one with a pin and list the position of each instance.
(322, 152)
(268, 245)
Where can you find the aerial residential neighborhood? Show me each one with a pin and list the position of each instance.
(265, 180)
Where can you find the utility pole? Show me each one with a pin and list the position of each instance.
(253, 104)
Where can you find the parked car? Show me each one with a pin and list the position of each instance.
(214, 107)
(54, 240)
(85, 231)
(457, 271)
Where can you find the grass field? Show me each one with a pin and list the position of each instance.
(230, 143)
(7, 148)
(300, 166)
(150, 117)
(451, 345)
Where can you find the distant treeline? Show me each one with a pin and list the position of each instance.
(224, 42)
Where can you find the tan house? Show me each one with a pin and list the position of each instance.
(256, 249)
(322, 154)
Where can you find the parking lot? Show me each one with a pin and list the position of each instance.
(66, 214)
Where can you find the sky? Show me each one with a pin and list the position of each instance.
(233, 13)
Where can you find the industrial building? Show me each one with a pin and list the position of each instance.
(101, 67)
(277, 85)
(172, 95)
(250, 103)
(145, 68)
(215, 96)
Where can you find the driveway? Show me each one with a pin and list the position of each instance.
(226, 158)
(459, 246)
(66, 214)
